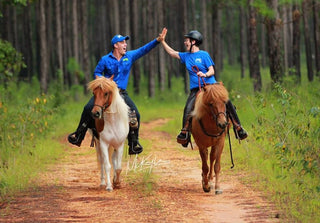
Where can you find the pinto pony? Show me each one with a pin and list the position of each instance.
(209, 125)
(111, 119)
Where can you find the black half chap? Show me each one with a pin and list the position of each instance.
(133, 107)
(231, 109)
(188, 108)
(86, 115)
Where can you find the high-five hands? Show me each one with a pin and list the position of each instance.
(162, 35)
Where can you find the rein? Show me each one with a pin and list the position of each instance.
(208, 134)
(196, 70)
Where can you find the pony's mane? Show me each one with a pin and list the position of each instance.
(211, 94)
(104, 83)
(118, 105)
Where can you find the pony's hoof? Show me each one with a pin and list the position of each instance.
(109, 189)
(218, 192)
(207, 190)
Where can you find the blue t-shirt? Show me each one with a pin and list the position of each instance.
(109, 65)
(203, 61)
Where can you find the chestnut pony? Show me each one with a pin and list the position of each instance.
(111, 119)
(209, 127)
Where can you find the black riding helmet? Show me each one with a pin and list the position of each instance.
(195, 35)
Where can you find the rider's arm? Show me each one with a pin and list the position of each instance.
(98, 72)
(210, 71)
(170, 51)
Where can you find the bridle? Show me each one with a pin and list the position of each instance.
(215, 118)
(214, 115)
(105, 106)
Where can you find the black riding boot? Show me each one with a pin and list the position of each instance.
(76, 137)
(86, 122)
(184, 136)
(237, 128)
(133, 142)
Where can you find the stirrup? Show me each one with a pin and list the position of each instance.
(135, 148)
(73, 139)
(184, 137)
(76, 137)
(240, 132)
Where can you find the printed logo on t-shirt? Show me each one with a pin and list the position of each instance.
(198, 60)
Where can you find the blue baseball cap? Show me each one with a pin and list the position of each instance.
(118, 38)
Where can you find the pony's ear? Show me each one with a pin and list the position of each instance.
(111, 78)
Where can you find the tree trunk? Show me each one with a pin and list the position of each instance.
(65, 42)
(243, 41)
(287, 41)
(75, 39)
(216, 38)
(43, 48)
(273, 26)
(307, 39)
(58, 47)
(264, 56)
(296, 42)
(316, 22)
(135, 44)
(185, 28)
(50, 40)
(27, 44)
(125, 21)
(115, 17)
(193, 16)
(162, 59)
(84, 43)
(150, 59)
(253, 51)
(230, 37)
(204, 26)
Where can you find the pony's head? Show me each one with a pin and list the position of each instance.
(104, 91)
(212, 101)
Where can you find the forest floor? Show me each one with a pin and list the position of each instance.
(70, 192)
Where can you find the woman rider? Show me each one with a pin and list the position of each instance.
(196, 57)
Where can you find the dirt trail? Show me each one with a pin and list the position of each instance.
(69, 191)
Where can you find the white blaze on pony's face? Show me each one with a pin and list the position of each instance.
(102, 100)
(102, 89)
